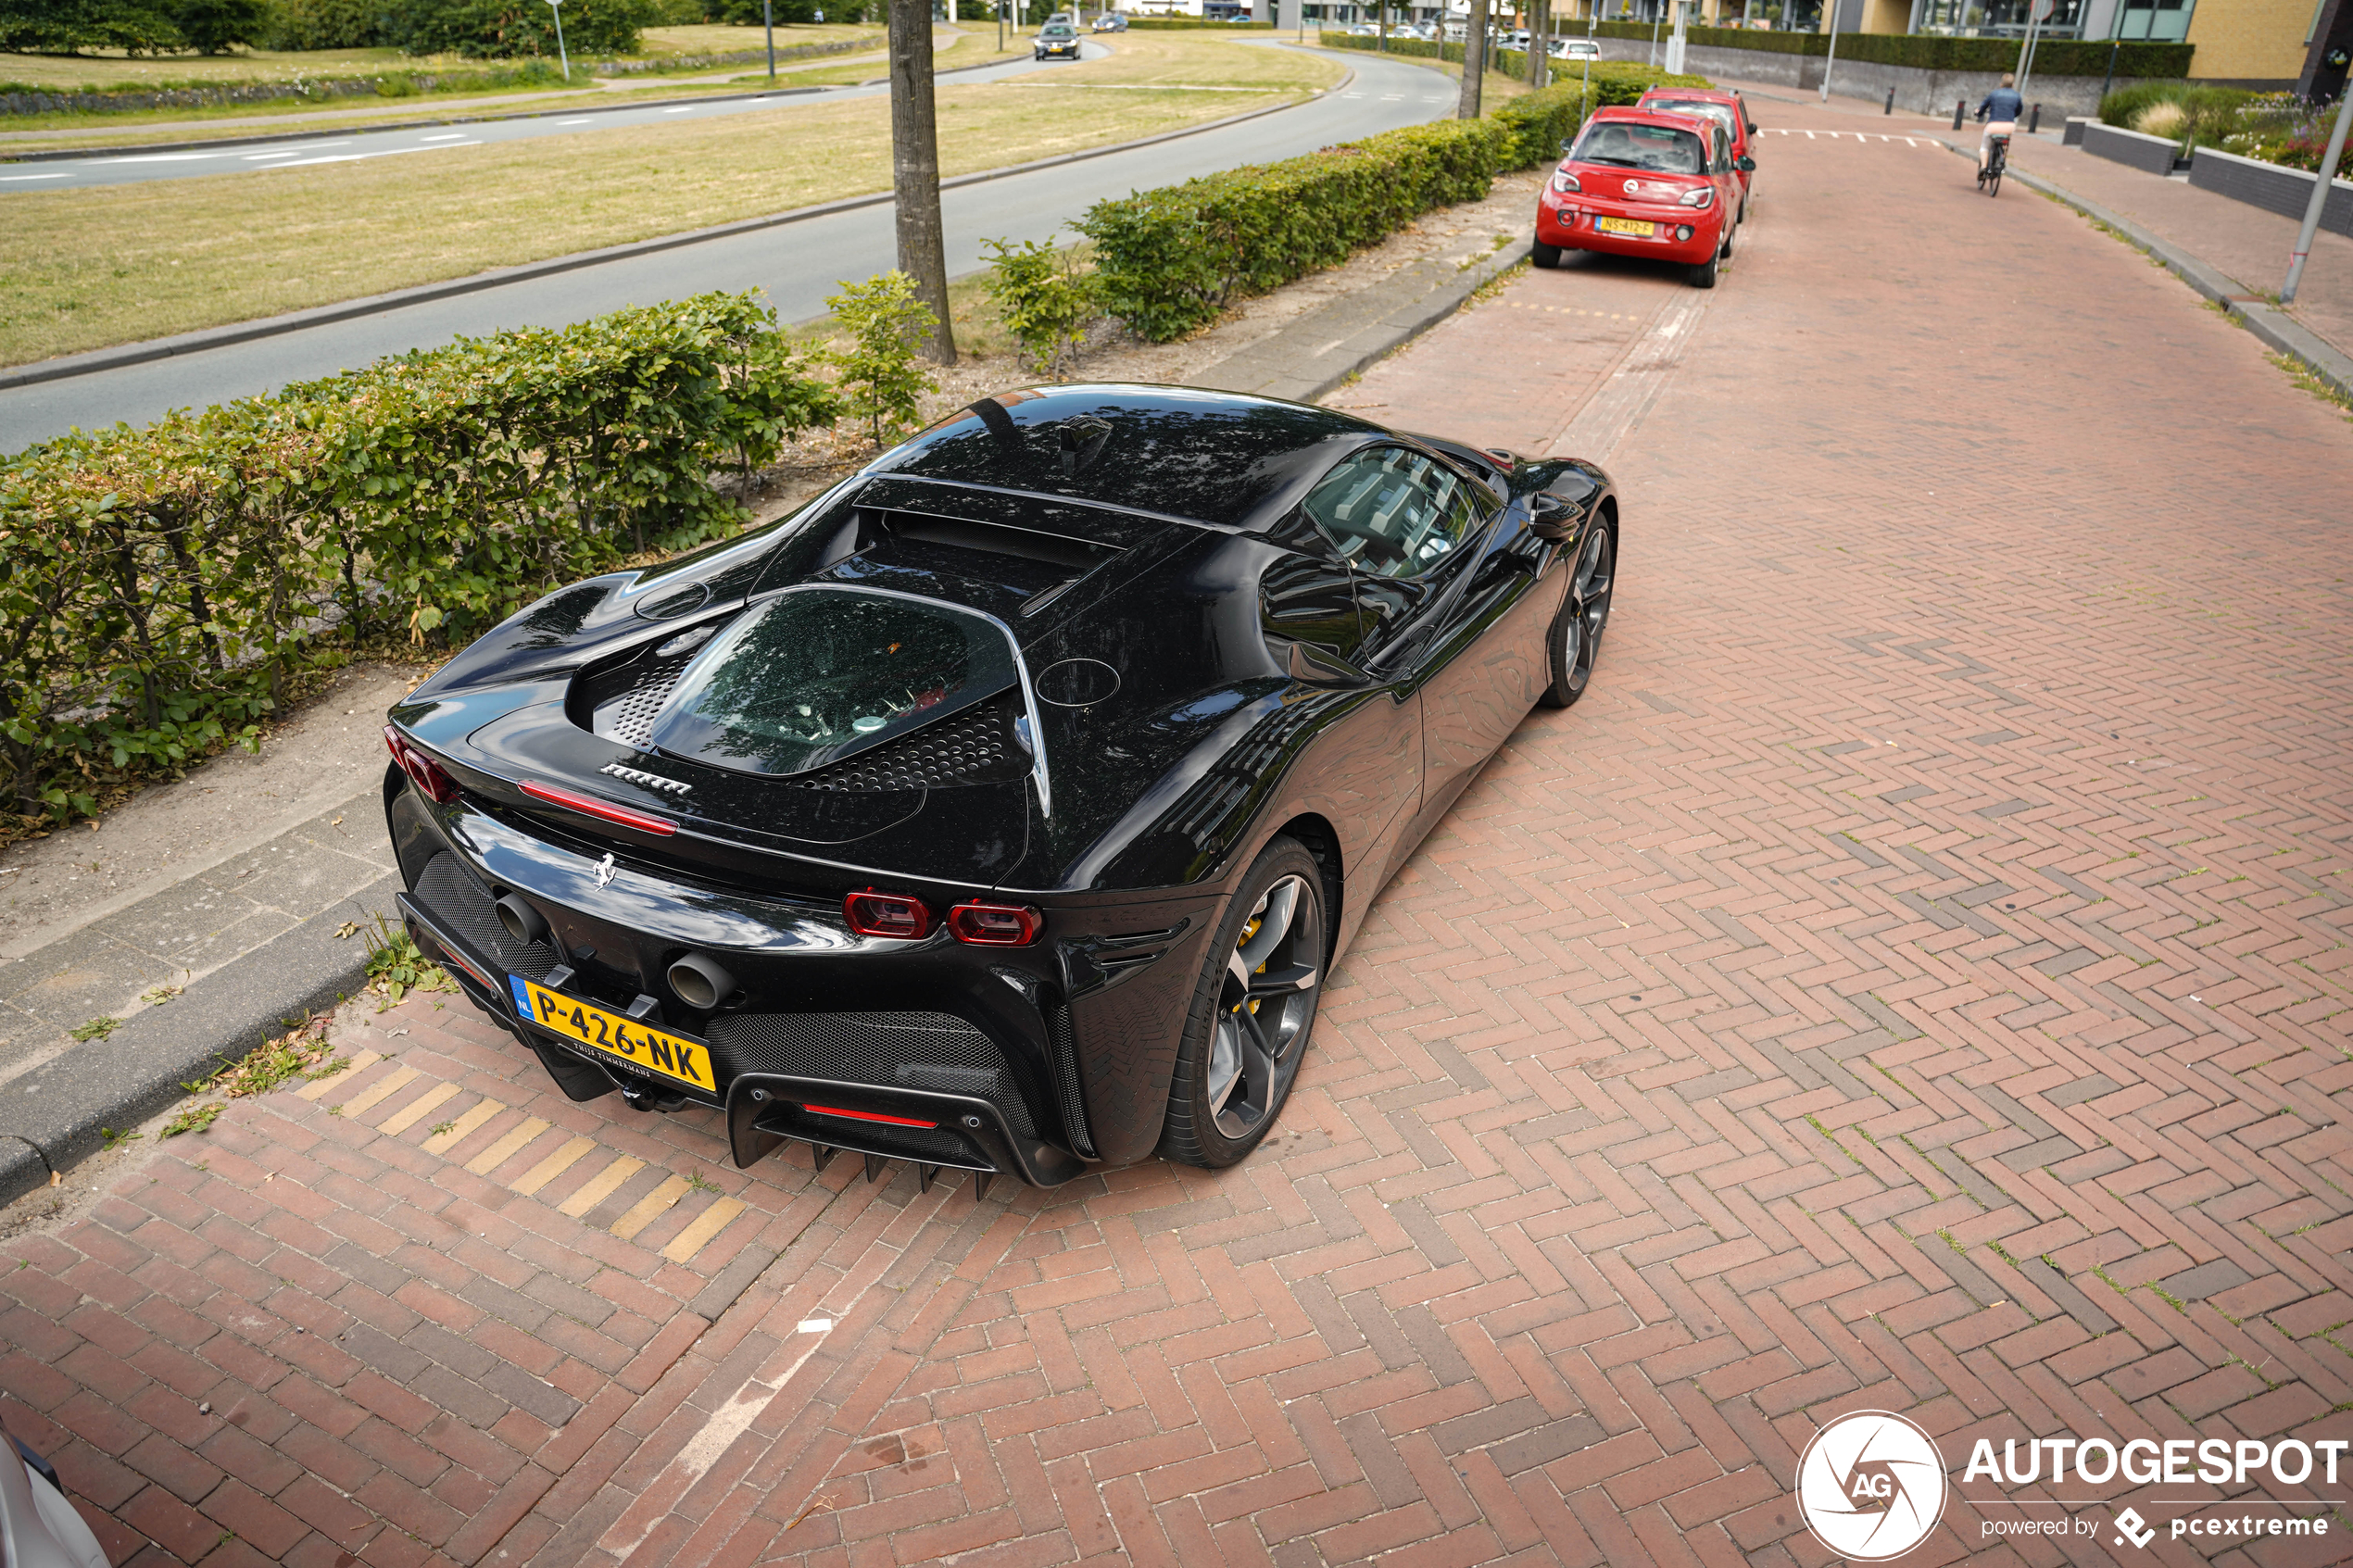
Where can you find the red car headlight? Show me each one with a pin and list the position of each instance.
(1704, 197)
(995, 925)
(887, 914)
(430, 777)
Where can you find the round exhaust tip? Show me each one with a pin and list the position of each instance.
(523, 923)
(700, 982)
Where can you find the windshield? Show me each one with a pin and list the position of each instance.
(1059, 29)
(1656, 148)
(815, 675)
(1721, 113)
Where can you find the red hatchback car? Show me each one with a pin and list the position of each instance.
(1638, 183)
(1728, 109)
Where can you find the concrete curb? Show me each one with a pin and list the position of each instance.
(1349, 333)
(60, 154)
(153, 350)
(51, 1118)
(2278, 330)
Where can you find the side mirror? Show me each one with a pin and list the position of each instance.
(1565, 146)
(1550, 517)
(1744, 163)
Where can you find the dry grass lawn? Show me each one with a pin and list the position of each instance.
(81, 269)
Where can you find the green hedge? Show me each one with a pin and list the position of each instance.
(1167, 260)
(2057, 56)
(161, 588)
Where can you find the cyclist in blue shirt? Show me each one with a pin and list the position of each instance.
(2000, 113)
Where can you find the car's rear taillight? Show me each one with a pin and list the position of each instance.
(428, 776)
(1704, 197)
(887, 914)
(603, 810)
(1563, 181)
(995, 925)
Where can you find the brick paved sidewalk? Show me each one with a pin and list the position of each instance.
(1916, 979)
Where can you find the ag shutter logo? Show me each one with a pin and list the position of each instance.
(1871, 1486)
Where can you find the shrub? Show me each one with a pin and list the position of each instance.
(880, 378)
(1167, 260)
(1043, 298)
(68, 27)
(504, 29)
(2183, 111)
(161, 588)
(322, 24)
(212, 27)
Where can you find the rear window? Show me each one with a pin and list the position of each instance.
(816, 675)
(1657, 149)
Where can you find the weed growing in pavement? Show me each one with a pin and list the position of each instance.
(2301, 375)
(299, 1053)
(160, 995)
(96, 1029)
(701, 1182)
(395, 966)
(1497, 284)
(440, 1127)
(116, 1140)
(191, 1119)
(334, 1110)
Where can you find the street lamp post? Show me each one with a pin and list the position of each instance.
(558, 6)
(768, 20)
(1831, 64)
(2320, 199)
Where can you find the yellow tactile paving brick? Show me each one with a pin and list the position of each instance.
(643, 1212)
(510, 1143)
(555, 1165)
(442, 1142)
(384, 1088)
(416, 1109)
(359, 1063)
(700, 1229)
(596, 1188)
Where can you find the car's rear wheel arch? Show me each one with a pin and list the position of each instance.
(1322, 841)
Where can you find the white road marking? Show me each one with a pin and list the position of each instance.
(445, 136)
(8, 177)
(580, 121)
(684, 109)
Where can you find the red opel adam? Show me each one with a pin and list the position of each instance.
(1640, 183)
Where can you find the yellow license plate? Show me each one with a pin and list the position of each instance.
(641, 1044)
(1626, 226)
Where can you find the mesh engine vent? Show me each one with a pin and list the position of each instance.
(463, 907)
(915, 1050)
(1058, 1034)
(974, 746)
(627, 715)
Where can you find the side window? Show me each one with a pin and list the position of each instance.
(1393, 513)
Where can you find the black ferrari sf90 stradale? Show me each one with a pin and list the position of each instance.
(1004, 807)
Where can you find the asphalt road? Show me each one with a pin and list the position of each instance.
(798, 264)
(132, 168)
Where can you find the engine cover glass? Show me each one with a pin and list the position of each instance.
(812, 677)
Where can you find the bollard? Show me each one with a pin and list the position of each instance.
(2034, 120)
(1890, 102)
(1959, 106)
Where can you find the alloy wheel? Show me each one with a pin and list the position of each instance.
(1264, 1007)
(1586, 615)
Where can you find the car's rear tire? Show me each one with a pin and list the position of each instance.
(1575, 641)
(1265, 963)
(1703, 273)
(1544, 256)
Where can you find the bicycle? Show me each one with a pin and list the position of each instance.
(1997, 158)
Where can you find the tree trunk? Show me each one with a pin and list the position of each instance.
(1474, 59)
(1540, 28)
(914, 170)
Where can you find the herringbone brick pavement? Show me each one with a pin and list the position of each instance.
(1915, 979)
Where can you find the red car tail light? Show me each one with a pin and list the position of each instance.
(867, 1116)
(428, 775)
(1704, 197)
(588, 806)
(887, 914)
(995, 925)
(1563, 181)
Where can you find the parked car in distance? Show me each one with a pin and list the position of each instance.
(1111, 21)
(1730, 110)
(1364, 29)
(1575, 49)
(1056, 40)
(1639, 182)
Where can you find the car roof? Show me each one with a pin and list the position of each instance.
(1172, 453)
(1616, 114)
(1702, 94)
